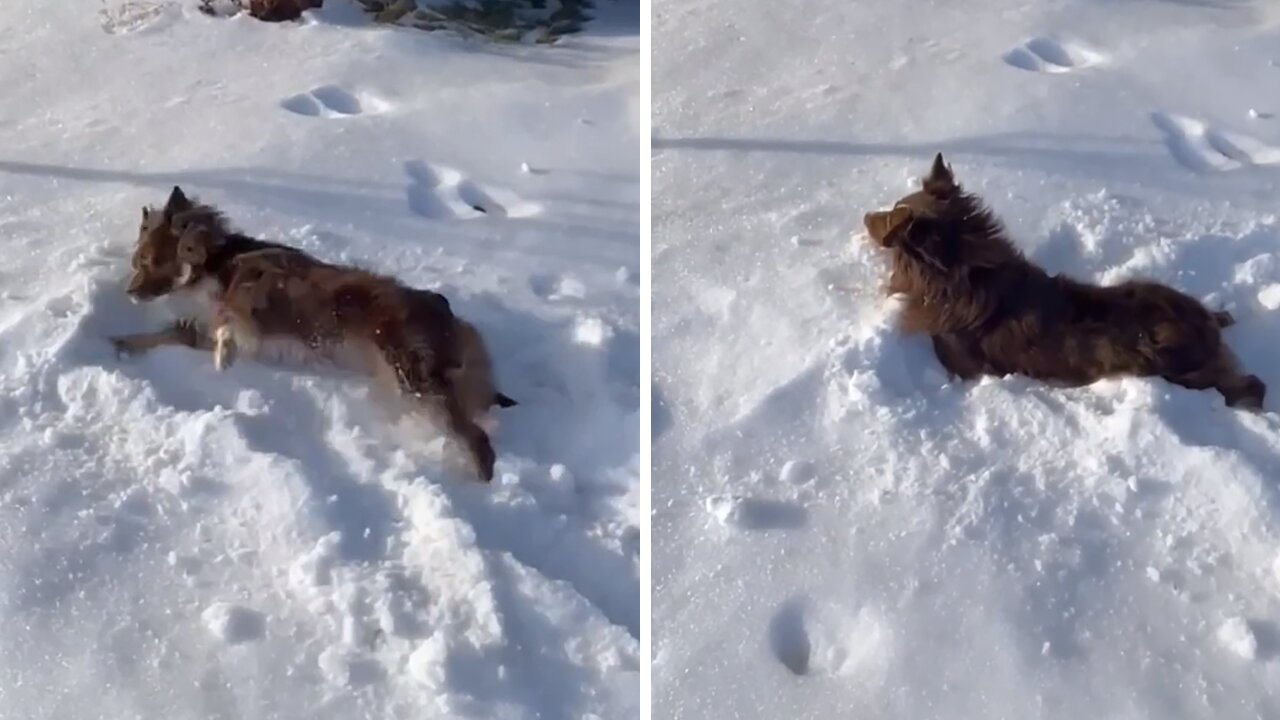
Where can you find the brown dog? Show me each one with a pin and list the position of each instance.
(278, 304)
(990, 311)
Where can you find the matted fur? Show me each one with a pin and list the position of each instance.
(276, 303)
(990, 311)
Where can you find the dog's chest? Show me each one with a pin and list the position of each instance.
(199, 301)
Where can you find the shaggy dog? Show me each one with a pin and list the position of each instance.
(278, 304)
(990, 311)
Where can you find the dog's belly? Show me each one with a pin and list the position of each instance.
(293, 352)
(1070, 355)
(198, 302)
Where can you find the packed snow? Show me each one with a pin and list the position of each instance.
(268, 543)
(840, 531)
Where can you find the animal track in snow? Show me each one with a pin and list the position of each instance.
(234, 624)
(442, 193)
(789, 639)
(557, 288)
(798, 472)
(755, 513)
(1044, 54)
(829, 641)
(331, 101)
(1200, 147)
(129, 16)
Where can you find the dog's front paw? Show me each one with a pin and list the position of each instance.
(124, 346)
(224, 348)
(187, 332)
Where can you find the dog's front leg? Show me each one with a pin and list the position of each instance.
(957, 359)
(184, 332)
(235, 333)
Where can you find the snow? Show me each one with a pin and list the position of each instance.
(1237, 636)
(935, 549)
(266, 543)
(233, 623)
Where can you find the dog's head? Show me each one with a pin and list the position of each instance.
(173, 245)
(941, 227)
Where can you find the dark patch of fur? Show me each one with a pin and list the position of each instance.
(990, 311)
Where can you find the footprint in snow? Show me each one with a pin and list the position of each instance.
(756, 514)
(131, 16)
(1047, 55)
(829, 641)
(350, 668)
(331, 101)
(798, 472)
(557, 287)
(1200, 147)
(234, 624)
(437, 192)
(789, 638)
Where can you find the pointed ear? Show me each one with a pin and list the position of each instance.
(177, 202)
(146, 213)
(939, 181)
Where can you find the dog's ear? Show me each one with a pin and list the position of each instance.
(176, 203)
(146, 213)
(940, 181)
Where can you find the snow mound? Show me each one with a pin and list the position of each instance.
(234, 624)
(1236, 636)
(840, 530)
(176, 542)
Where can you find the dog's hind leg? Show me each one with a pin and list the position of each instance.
(185, 333)
(1238, 389)
(424, 377)
(435, 389)
(472, 435)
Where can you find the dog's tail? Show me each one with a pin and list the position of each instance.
(503, 401)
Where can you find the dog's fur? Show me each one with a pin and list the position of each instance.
(278, 304)
(990, 311)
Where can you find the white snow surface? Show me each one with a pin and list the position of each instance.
(265, 543)
(838, 530)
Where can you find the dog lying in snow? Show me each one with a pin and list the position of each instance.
(275, 303)
(990, 311)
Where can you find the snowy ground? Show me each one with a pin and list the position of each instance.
(266, 544)
(840, 532)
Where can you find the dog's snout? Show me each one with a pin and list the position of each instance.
(876, 225)
(135, 284)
